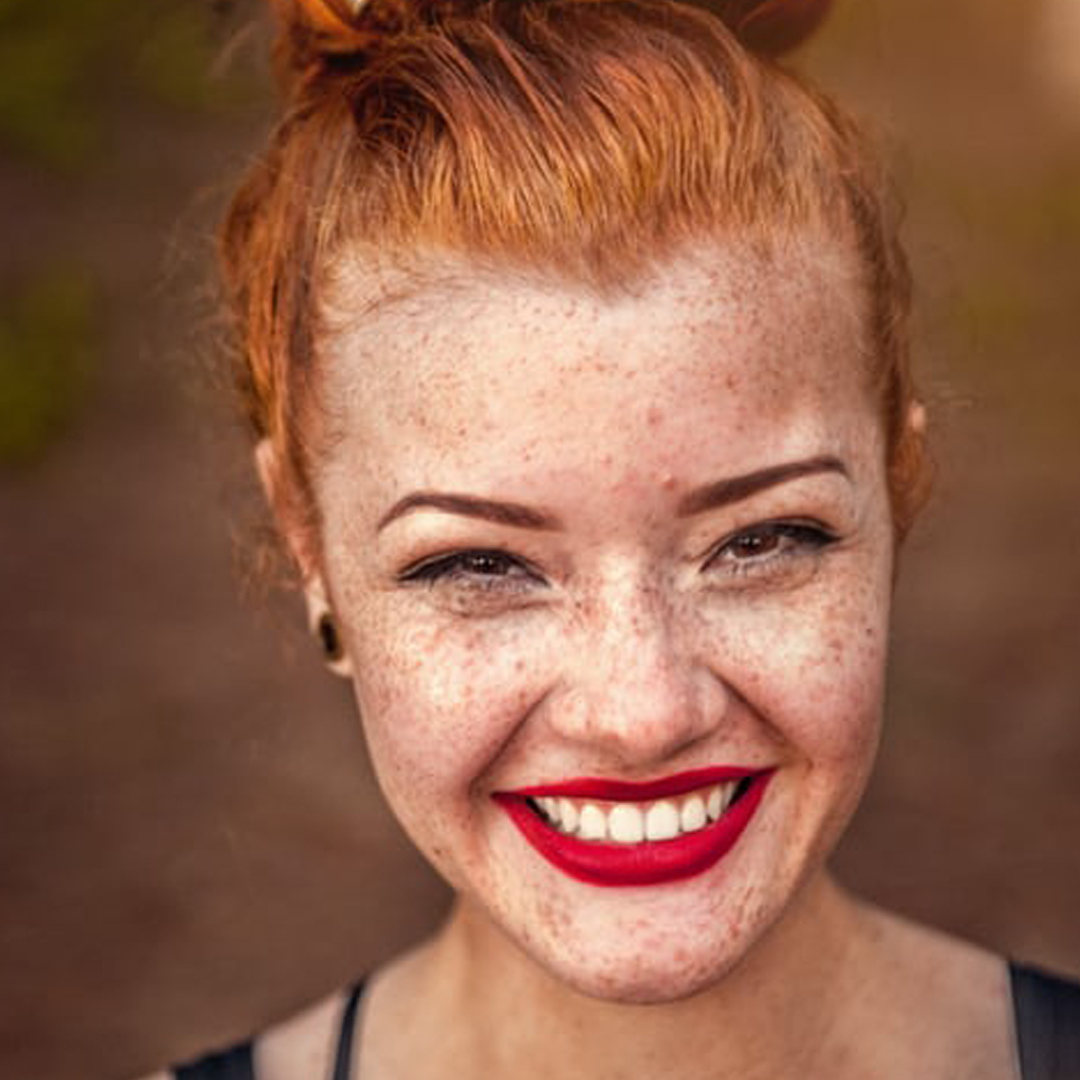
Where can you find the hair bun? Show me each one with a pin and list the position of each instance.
(334, 19)
(314, 30)
(771, 27)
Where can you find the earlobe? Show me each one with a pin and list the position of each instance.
(324, 628)
(321, 620)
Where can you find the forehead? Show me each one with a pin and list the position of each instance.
(469, 366)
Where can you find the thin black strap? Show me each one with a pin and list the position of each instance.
(344, 1061)
(238, 1062)
(1047, 1024)
(235, 1064)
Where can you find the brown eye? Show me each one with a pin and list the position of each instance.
(767, 547)
(753, 545)
(485, 563)
(477, 569)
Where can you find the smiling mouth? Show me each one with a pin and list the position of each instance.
(599, 822)
(615, 833)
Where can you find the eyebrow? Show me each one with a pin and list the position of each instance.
(737, 488)
(722, 493)
(502, 513)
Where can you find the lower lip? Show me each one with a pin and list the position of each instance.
(655, 862)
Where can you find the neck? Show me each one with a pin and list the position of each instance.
(774, 1014)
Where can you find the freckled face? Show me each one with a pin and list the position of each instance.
(548, 564)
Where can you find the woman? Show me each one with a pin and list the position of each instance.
(573, 337)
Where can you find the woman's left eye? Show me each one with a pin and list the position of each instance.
(769, 547)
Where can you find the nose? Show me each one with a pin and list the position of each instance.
(637, 689)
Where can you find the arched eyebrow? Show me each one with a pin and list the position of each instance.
(502, 513)
(736, 488)
(721, 493)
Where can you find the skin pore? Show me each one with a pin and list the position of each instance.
(627, 537)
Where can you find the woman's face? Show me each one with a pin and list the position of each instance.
(606, 569)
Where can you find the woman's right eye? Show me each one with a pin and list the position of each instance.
(480, 569)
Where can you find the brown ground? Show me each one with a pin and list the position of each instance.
(190, 840)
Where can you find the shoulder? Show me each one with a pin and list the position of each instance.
(942, 1000)
(304, 1045)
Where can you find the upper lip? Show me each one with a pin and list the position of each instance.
(594, 787)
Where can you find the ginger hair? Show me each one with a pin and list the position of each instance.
(585, 139)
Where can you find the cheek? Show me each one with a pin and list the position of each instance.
(438, 703)
(814, 669)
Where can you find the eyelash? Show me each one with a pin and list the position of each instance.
(489, 569)
(792, 540)
(462, 566)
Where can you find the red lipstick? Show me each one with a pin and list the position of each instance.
(650, 862)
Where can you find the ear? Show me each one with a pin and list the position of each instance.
(298, 541)
(916, 417)
(319, 609)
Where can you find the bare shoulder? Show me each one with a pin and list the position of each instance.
(303, 1045)
(951, 996)
(402, 1003)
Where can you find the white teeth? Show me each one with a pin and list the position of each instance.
(632, 823)
(626, 824)
(662, 822)
(693, 816)
(592, 824)
(568, 815)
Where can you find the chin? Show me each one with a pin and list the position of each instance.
(640, 959)
(643, 979)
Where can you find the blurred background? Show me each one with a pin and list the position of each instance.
(190, 841)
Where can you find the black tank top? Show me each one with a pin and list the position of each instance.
(1047, 1030)
(238, 1063)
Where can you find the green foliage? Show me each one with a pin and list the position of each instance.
(67, 63)
(175, 59)
(48, 351)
